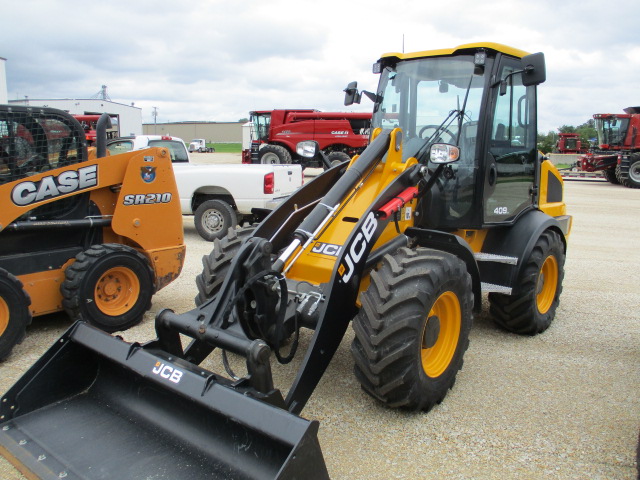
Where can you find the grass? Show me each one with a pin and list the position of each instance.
(226, 147)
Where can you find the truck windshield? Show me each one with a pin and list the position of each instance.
(612, 130)
(261, 122)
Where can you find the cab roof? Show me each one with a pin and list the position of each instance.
(497, 47)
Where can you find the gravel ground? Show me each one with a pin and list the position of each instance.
(561, 405)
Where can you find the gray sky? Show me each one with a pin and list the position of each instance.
(217, 60)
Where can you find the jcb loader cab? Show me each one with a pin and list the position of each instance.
(449, 200)
(79, 230)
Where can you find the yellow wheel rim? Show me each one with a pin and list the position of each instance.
(4, 316)
(447, 314)
(547, 284)
(117, 291)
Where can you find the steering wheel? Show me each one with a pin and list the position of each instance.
(434, 128)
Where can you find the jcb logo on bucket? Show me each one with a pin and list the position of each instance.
(167, 371)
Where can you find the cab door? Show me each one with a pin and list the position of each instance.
(511, 161)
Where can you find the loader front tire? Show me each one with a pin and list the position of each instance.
(213, 218)
(14, 313)
(413, 328)
(109, 286)
(531, 307)
(216, 264)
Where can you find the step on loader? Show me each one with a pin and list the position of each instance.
(449, 200)
(79, 229)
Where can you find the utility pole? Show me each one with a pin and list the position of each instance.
(155, 120)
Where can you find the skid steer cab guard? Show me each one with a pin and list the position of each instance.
(392, 241)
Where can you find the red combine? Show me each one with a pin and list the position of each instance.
(276, 133)
(569, 143)
(618, 153)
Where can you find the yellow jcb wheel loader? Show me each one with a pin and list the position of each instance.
(449, 200)
(79, 229)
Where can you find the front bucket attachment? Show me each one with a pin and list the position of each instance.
(96, 407)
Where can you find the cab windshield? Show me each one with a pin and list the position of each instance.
(612, 130)
(432, 100)
(260, 125)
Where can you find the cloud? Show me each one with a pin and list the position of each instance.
(218, 60)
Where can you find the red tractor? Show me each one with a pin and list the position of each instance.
(89, 123)
(618, 153)
(275, 135)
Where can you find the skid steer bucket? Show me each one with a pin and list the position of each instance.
(96, 407)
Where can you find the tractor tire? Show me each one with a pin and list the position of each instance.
(610, 176)
(336, 158)
(15, 316)
(413, 328)
(213, 218)
(630, 171)
(216, 264)
(531, 307)
(274, 155)
(108, 286)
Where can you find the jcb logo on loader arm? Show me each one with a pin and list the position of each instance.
(358, 247)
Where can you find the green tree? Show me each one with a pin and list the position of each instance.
(547, 141)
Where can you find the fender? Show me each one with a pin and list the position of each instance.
(447, 242)
(516, 241)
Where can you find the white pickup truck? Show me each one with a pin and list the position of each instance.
(220, 196)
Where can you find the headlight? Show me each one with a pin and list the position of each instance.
(307, 149)
(444, 153)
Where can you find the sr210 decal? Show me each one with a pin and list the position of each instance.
(146, 198)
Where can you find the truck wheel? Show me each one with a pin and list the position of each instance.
(214, 218)
(413, 328)
(109, 286)
(14, 313)
(216, 264)
(531, 307)
(336, 158)
(274, 155)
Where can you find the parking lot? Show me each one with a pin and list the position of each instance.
(561, 405)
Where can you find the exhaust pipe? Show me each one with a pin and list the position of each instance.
(104, 122)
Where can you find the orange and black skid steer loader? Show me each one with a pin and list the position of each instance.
(79, 229)
(449, 200)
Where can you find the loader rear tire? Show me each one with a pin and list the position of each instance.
(15, 316)
(413, 328)
(531, 307)
(109, 286)
(214, 218)
(216, 264)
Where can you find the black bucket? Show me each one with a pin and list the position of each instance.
(96, 407)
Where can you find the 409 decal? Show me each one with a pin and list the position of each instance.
(147, 198)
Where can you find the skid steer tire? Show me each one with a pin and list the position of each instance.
(216, 264)
(531, 307)
(274, 155)
(109, 286)
(413, 328)
(15, 316)
(214, 218)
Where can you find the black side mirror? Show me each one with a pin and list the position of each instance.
(351, 94)
(534, 71)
